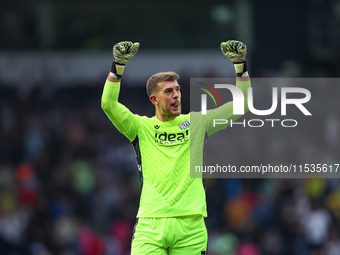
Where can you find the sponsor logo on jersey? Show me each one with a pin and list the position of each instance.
(184, 125)
(157, 126)
(171, 138)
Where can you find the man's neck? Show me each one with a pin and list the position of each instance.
(164, 118)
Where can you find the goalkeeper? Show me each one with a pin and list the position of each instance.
(170, 219)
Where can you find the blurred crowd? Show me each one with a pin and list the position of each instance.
(69, 183)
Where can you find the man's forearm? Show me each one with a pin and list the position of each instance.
(112, 79)
(243, 78)
(120, 116)
(244, 83)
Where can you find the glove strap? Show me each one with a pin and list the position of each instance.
(241, 69)
(117, 70)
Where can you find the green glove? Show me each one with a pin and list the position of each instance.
(236, 51)
(122, 53)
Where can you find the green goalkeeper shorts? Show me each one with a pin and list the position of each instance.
(170, 236)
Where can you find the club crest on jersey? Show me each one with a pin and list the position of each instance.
(184, 125)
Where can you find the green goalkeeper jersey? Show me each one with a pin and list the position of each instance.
(164, 152)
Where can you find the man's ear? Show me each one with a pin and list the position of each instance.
(153, 99)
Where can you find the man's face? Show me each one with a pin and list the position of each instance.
(169, 98)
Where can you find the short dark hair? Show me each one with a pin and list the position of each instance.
(152, 82)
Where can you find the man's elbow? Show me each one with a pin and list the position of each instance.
(104, 106)
(246, 109)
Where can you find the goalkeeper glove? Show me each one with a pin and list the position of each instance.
(236, 51)
(122, 53)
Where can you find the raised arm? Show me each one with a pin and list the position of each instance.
(236, 51)
(120, 116)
